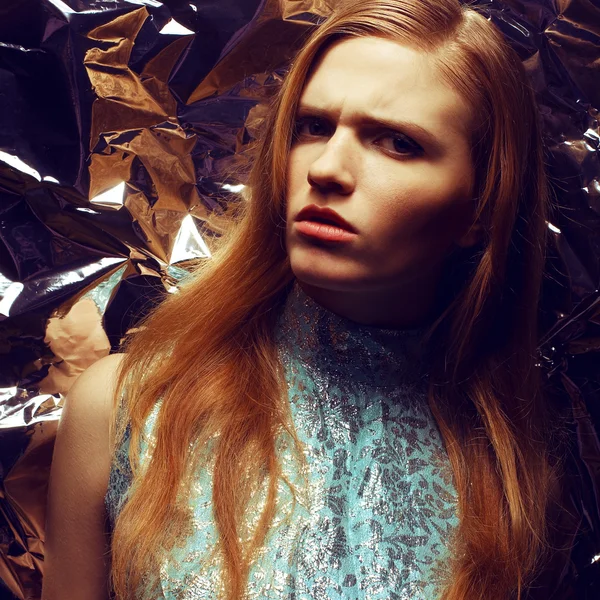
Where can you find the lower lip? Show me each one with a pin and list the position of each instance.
(324, 231)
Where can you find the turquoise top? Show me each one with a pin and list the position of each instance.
(377, 515)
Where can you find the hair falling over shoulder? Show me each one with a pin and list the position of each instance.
(208, 352)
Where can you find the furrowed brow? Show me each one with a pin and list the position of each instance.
(406, 127)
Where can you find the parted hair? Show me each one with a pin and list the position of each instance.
(209, 353)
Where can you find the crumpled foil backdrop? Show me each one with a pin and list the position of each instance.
(123, 124)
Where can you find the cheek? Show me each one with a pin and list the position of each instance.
(297, 165)
(295, 176)
(422, 217)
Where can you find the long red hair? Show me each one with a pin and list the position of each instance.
(209, 353)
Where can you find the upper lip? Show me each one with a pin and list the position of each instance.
(326, 215)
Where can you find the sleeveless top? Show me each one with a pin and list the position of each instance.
(374, 507)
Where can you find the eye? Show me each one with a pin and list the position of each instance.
(311, 127)
(399, 144)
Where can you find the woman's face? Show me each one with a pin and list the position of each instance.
(383, 142)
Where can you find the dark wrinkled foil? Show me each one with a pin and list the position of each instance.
(122, 123)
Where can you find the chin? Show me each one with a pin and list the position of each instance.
(321, 278)
(319, 269)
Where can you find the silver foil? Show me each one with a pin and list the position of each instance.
(123, 122)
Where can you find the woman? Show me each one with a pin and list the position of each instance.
(344, 401)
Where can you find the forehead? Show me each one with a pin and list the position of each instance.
(385, 79)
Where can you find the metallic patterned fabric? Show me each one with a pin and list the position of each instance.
(374, 508)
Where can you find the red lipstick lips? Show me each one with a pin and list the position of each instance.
(324, 224)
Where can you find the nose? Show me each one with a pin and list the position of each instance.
(332, 170)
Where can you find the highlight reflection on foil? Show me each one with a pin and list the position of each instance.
(122, 149)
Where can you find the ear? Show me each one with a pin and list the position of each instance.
(473, 236)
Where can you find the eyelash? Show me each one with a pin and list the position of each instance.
(415, 149)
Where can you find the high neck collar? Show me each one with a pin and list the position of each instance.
(324, 340)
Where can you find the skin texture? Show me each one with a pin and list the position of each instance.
(409, 198)
(77, 548)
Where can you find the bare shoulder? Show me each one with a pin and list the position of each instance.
(77, 554)
(89, 401)
(97, 382)
(88, 405)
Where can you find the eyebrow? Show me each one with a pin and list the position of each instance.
(408, 127)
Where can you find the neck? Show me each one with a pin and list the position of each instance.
(408, 306)
(328, 342)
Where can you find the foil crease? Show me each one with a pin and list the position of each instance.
(124, 126)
